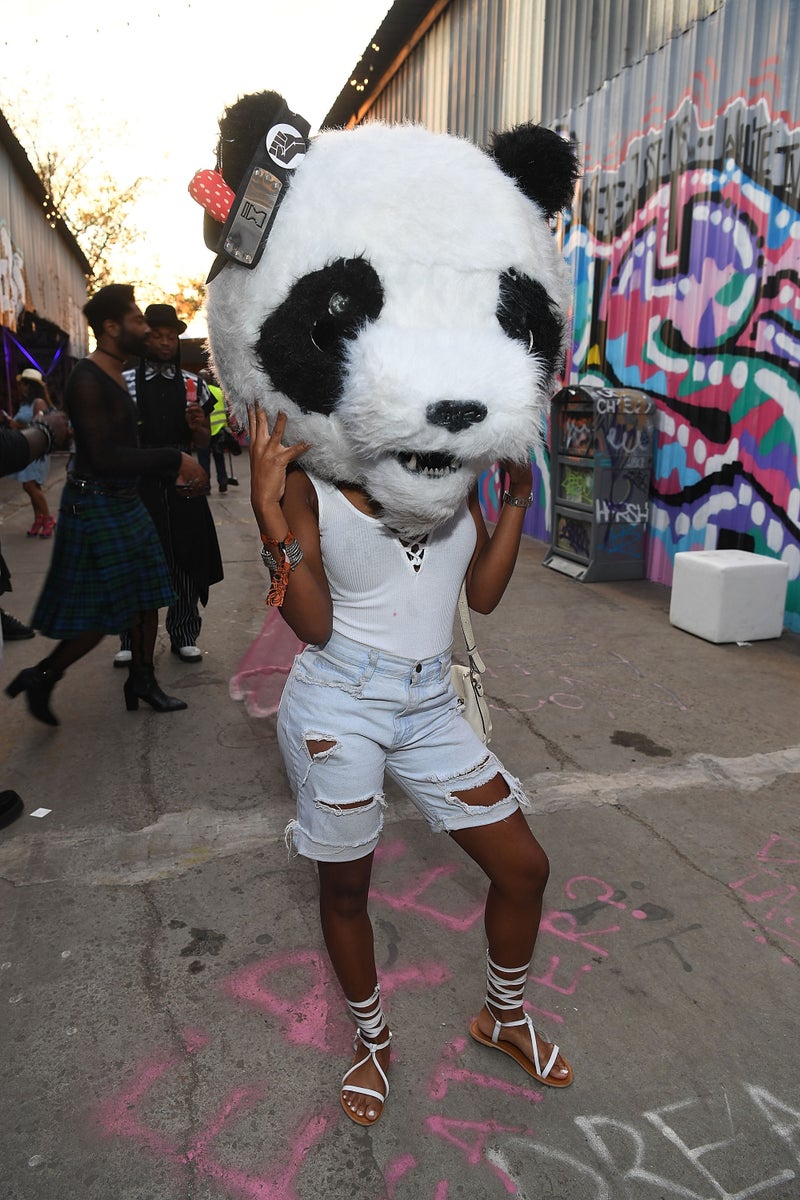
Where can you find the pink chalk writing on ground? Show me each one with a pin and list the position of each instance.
(456, 1133)
(409, 901)
(768, 886)
(552, 920)
(448, 1072)
(313, 1013)
(120, 1117)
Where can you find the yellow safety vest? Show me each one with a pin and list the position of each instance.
(218, 415)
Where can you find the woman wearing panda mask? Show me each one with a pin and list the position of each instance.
(397, 315)
(396, 713)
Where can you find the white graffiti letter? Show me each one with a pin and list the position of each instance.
(695, 1153)
(783, 1120)
(591, 1127)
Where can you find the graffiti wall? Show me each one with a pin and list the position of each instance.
(685, 247)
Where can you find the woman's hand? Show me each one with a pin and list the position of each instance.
(520, 478)
(269, 462)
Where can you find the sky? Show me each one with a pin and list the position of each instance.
(156, 75)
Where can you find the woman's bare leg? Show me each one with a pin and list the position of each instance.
(347, 930)
(517, 869)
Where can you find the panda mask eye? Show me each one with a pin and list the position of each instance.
(323, 311)
(527, 314)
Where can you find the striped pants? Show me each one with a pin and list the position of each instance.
(183, 621)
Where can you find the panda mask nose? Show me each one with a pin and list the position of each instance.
(456, 415)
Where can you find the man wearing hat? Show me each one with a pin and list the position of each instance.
(172, 407)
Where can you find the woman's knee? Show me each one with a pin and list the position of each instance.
(344, 887)
(527, 873)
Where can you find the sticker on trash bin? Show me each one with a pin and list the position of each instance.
(41, 812)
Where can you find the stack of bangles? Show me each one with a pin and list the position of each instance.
(290, 556)
(44, 428)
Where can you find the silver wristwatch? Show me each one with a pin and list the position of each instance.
(515, 502)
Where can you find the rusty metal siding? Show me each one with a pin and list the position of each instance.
(54, 279)
(485, 64)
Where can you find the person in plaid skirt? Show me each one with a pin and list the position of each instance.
(108, 572)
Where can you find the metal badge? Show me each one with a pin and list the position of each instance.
(252, 220)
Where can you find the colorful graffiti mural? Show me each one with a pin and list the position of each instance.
(685, 248)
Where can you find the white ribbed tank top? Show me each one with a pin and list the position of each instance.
(400, 598)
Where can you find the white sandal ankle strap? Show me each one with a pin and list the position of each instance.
(505, 994)
(368, 1016)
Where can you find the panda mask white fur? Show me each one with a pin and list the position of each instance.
(408, 312)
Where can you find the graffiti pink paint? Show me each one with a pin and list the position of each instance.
(311, 1012)
(769, 888)
(474, 1150)
(120, 1117)
(447, 1071)
(409, 901)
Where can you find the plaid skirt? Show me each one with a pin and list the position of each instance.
(107, 565)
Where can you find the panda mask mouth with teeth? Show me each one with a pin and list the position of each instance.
(405, 306)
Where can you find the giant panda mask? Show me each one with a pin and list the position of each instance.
(408, 310)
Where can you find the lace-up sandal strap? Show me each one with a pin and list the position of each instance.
(371, 1049)
(370, 1022)
(368, 1015)
(505, 995)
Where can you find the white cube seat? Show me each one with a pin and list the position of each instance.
(728, 595)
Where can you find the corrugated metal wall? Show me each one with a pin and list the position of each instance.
(56, 284)
(487, 64)
(685, 236)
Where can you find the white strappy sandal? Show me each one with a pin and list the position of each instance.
(505, 995)
(369, 1019)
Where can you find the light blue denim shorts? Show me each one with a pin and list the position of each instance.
(380, 714)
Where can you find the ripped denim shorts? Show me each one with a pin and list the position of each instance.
(348, 715)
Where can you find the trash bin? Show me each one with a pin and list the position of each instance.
(601, 455)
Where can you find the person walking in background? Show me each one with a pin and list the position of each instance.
(34, 402)
(17, 449)
(218, 420)
(108, 571)
(172, 407)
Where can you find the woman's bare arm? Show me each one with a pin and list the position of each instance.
(284, 503)
(494, 557)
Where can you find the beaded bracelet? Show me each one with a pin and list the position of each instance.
(291, 556)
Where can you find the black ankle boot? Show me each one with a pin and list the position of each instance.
(37, 683)
(142, 684)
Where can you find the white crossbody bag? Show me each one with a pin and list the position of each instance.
(467, 680)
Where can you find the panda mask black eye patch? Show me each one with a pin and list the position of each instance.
(526, 313)
(302, 343)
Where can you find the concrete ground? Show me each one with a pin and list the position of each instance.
(170, 1026)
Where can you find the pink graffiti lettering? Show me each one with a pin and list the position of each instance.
(550, 924)
(447, 1072)
(119, 1117)
(475, 1151)
(408, 901)
(315, 1016)
(548, 979)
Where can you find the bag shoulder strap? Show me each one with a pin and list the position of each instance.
(475, 660)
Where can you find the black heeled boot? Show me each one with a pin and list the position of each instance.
(142, 684)
(37, 683)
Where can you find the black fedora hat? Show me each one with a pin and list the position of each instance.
(163, 314)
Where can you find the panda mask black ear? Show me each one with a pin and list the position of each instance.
(543, 163)
(261, 141)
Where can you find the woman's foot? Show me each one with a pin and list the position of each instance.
(514, 1039)
(47, 527)
(36, 527)
(366, 1076)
